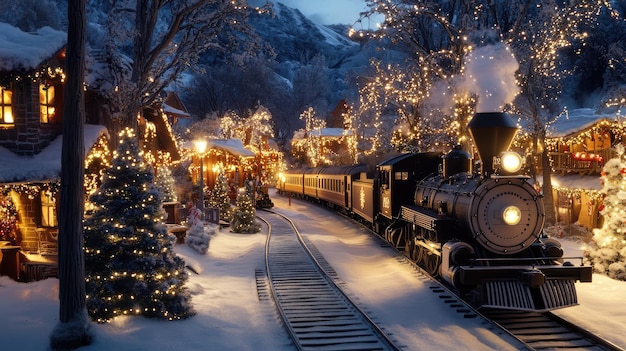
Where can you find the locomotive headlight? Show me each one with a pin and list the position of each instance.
(511, 162)
(512, 215)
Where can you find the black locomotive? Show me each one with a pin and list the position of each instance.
(477, 226)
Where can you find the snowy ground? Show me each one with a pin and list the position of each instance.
(230, 317)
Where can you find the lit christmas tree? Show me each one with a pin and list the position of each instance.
(243, 218)
(608, 252)
(8, 221)
(130, 267)
(219, 196)
(165, 182)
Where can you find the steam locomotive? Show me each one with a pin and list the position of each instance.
(477, 225)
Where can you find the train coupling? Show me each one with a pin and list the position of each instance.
(533, 278)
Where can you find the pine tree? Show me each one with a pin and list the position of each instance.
(165, 182)
(243, 217)
(219, 196)
(608, 252)
(131, 268)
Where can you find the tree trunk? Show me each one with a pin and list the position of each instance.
(548, 199)
(72, 331)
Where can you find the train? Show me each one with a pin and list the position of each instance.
(474, 223)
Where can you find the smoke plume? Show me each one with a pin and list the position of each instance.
(490, 73)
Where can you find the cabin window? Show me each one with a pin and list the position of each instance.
(48, 209)
(46, 103)
(401, 176)
(6, 110)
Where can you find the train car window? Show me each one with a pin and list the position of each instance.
(401, 176)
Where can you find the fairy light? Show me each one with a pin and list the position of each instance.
(309, 143)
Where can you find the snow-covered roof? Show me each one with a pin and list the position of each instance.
(26, 51)
(172, 110)
(44, 166)
(232, 146)
(574, 181)
(576, 121)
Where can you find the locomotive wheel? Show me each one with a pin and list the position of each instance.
(409, 250)
(428, 261)
(396, 238)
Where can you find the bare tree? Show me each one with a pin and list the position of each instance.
(168, 37)
(440, 34)
(73, 329)
(538, 42)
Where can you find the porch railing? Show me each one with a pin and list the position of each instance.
(584, 163)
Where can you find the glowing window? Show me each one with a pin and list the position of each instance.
(48, 209)
(6, 111)
(402, 176)
(46, 103)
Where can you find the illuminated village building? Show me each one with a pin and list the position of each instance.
(31, 106)
(579, 145)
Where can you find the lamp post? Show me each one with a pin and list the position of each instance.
(201, 148)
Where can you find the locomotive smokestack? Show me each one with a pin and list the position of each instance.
(493, 133)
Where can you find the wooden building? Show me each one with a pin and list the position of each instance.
(31, 106)
(579, 145)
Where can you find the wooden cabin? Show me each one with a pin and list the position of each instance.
(31, 106)
(579, 145)
(31, 120)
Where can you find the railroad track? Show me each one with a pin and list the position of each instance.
(546, 331)
(315, 312)
(533, 331)
(536, 331)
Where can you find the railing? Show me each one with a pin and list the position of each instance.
(584, 163)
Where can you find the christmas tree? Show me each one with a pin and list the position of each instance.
(8, 221)
(607, 253)
(165, 183)
(219, 196)
(130, 265)
(243, 218)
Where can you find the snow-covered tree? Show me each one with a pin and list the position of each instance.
(165, 182)
(219, 197)
(539, 39)
(30, 15)
(440, 37)
(608, 251)
(149, 44)
(243, 218)
(199, 236)
(131, 268)
(307, 142)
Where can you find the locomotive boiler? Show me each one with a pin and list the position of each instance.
(480, 229)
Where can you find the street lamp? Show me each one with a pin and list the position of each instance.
(201, 148)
